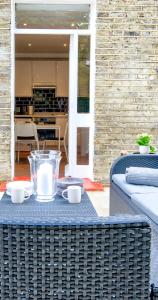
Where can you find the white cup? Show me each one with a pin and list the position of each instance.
(18, 194)
(74, 194)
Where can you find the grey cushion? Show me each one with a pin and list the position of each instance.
(142, 176)
(131, 189)
(148, 203)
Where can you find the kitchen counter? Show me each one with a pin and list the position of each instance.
(59, 118)
(42, 115)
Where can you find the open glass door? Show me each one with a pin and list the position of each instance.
(80, 115)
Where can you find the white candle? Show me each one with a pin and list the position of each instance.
(44, 180)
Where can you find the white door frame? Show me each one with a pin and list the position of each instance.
(76, 120)
(74, 33)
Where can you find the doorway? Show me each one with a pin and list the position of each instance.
(81, 69)
(42, 93)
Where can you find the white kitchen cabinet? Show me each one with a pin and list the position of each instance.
(62, 79)
(23, 78)
(44, 72)
(41, 72)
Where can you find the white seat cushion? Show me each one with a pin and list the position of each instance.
(148, 203)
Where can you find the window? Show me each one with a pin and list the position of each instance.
(52, 16)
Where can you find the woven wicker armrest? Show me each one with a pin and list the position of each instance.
(133, 160)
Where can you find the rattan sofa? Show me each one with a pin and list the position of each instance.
(121, 203)
(92, 259)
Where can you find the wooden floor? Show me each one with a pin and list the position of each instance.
(23, 168)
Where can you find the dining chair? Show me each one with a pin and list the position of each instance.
(55, 141)
(68, 258)
(26, 134)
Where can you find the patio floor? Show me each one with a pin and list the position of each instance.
(100, 202)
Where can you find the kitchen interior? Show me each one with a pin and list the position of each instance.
(42, 95)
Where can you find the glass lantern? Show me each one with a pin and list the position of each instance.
(44, 169)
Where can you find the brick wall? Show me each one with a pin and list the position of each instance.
(5, 98)
(126, 77)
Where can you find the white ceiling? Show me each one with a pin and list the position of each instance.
(41, 44)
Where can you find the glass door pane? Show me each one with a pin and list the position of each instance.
(82, 146)
(83, 74)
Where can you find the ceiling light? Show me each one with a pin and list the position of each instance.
(29, 44)
(25, 24)
(65, 45)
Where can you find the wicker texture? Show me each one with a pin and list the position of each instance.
(120, 203)
(47, 210)
(93, 260)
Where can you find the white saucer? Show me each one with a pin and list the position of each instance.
(27, 185)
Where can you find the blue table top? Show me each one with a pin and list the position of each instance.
(44, 211)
